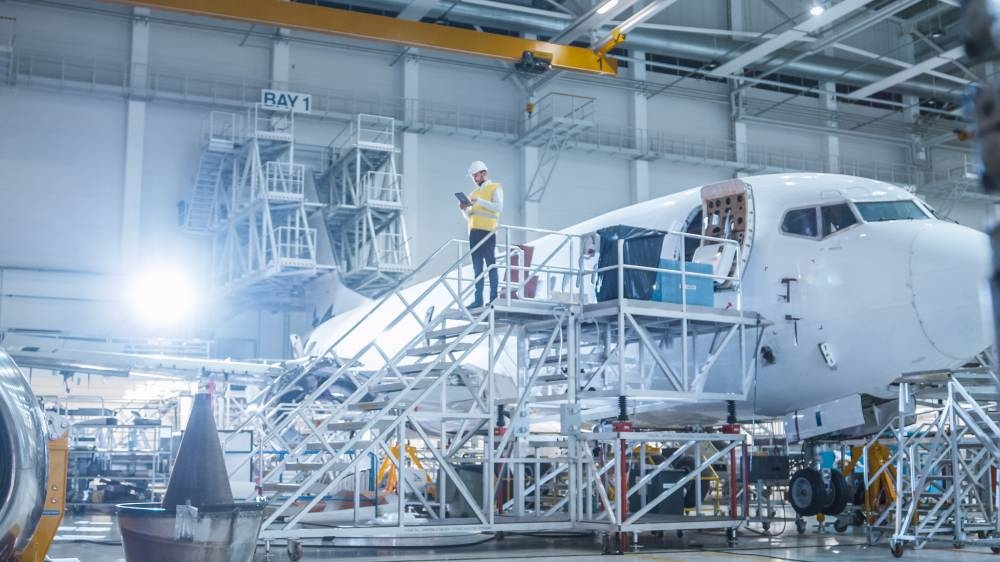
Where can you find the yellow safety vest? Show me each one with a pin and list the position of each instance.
(481, 218)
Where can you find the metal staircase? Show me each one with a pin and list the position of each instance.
(362, 188)
(199, 216)
(331, 441)
(467, 390)
(947, 450)
(557, 120)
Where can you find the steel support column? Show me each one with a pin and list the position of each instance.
(831, 143)
(639, 117)
(135, 129)
(281, 62)
(411, 140)
(529, 163)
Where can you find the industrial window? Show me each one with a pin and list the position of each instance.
(876, 211)
(836, 217)
(800, 222)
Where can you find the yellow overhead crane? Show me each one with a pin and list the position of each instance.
(292, 15)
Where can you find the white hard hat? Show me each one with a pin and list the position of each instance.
(477, 166)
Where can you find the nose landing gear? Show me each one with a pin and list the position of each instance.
(811, 494)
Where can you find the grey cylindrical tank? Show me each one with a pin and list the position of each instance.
(198, 521)
(218, 533)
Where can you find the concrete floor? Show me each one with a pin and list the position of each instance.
(95, 538)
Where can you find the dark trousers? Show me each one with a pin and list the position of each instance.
(482, 257)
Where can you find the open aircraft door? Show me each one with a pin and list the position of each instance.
(727, 211)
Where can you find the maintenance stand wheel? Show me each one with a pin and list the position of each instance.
(800, 526)
(294, 549)
(896, 549)
(995, 549)
(731, 536)
(840, 525)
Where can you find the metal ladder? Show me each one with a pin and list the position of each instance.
(199, 216)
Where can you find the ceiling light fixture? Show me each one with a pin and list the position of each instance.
(607, 7)
(816, 9)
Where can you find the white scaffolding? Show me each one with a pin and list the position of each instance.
(249, 195)
(363, 191)
(502, 411)
(946, 460)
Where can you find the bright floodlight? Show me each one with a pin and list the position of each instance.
(163, 295)
(817, 9)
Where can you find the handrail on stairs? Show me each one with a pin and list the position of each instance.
(310, 364)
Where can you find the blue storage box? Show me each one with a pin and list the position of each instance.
(700, 290)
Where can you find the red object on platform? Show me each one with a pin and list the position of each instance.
(514, 271)
(622, 426)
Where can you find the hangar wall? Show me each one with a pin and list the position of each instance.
(64, 157)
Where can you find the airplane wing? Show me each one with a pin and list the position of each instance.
(62, 359)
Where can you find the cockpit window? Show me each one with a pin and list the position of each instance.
(836, 217)
(801, 222)
(876, 211)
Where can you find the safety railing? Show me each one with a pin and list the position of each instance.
(902, 174)
(94, 74)
(443, 117)
(553, 257)
(283, 180)
(269, 123)
(556, 105)
(968, 171)
(222, 130)
(391, 251)
(296, 243)
(376, 132)
(726, 277)
(382, 187)
(557, 271)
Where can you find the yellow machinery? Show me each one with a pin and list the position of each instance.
(539, 55)
(882, 492)
(55, 502)
(387, 469)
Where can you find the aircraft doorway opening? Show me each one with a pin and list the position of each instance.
(726, 212)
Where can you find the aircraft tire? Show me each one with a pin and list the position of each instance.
(838, 494)
(806, 492)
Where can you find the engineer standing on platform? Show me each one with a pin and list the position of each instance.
(483, 212)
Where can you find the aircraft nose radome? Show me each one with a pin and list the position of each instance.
(949, 268)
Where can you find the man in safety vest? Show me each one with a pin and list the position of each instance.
(484, 217)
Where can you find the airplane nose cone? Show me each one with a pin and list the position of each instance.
(949, 267)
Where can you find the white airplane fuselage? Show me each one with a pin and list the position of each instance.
(887, 297)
